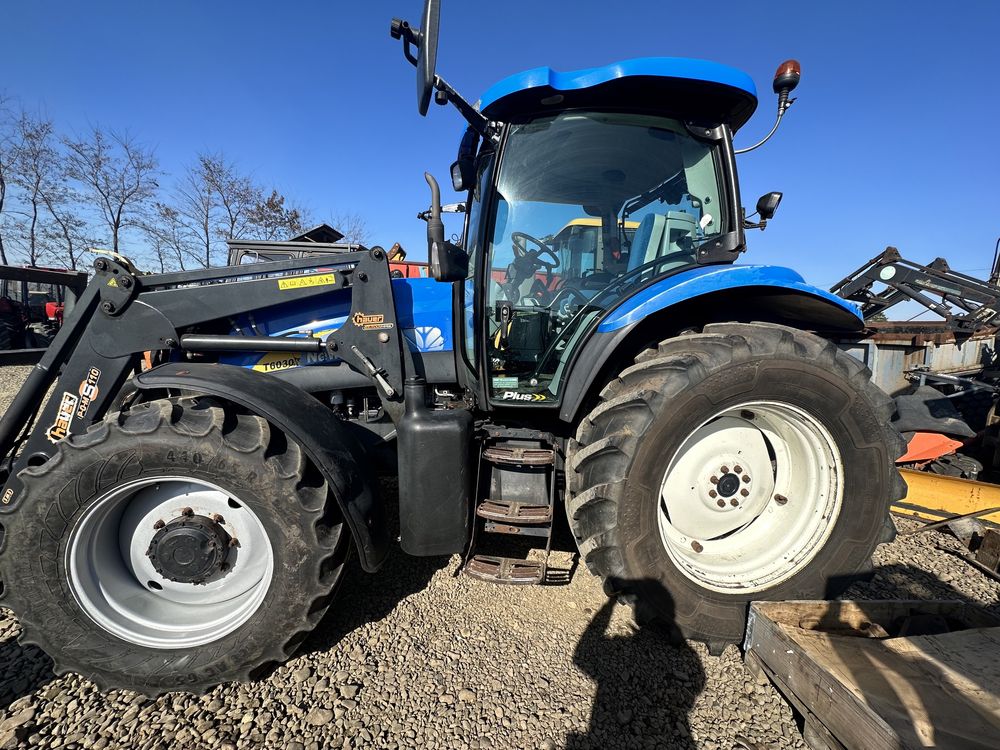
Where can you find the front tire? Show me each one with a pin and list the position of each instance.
(174, 546)
(751, 461)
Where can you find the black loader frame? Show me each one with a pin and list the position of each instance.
(967, 304)
(121, 315)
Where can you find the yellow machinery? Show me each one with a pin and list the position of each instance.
(933, 497)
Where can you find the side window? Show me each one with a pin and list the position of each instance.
(472, 247)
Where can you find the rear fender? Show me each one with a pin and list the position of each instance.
(305, 420)
(692, 299)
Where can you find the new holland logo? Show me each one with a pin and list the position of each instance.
(425, 339)
(370, 322)
(515, 396)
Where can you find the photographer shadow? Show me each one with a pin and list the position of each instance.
(647, 680)
(25, 669)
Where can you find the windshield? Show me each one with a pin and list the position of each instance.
(588, 205)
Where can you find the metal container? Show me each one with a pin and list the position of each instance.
(892, 350)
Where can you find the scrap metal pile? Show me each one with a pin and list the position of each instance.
(947, 408)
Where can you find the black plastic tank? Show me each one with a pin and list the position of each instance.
(435, 474)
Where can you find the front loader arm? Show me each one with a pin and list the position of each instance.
(121, 315)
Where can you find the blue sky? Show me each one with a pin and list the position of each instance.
(892, 140)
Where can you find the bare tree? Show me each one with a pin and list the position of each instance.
(9, 147)
(196, 203)
(168, 237)
(353, 226)
(272, 219)
(68, 232)
(35, 172)
(120, 175)
(237, 195)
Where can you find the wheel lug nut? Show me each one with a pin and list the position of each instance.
(159, 524)
(745, 477)
(734, 502)
(696, 546)
(721, 503)
(725, 469)
(780, 499)
(738, 469)
(187, 512)
(714, 480)
(218, 518)
(745, 492)
(713, 493)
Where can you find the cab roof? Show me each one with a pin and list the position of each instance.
(685, 88)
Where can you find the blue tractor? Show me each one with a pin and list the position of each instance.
(179, 512)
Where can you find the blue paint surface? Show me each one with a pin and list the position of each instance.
(661, 67)
(423, 313)
(706, 279)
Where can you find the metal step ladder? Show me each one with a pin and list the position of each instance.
(516, 497)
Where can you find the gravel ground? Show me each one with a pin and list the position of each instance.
(416, 657)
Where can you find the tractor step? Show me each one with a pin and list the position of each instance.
(492, 527)
(518, 485)
(514, 512)
(519, 456)
(507, 570)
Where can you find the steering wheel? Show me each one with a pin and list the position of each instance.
(527, 263)
(519, 239)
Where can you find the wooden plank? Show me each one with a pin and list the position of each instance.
(918, 703)
(818, 737)
(873, 693)
(847, 615)
(967, 666)
(933, 497)
(815, 689)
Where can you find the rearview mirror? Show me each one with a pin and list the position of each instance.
(448, 261)
(425, 40)
(767, 204)
(427, 55)
(463, 170)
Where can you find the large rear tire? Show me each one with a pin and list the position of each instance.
(174, 546)
(751, 461)
(11, 335)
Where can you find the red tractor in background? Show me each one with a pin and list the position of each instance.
(32, 305)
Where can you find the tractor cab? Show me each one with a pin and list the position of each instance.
(586, 192)
(584, 187)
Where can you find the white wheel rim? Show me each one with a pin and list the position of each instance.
(749, 530)
(117, 586)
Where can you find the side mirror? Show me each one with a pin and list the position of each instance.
(448, 262)
(425, 40)
(767, 204)
(463, 170)
(463, 175)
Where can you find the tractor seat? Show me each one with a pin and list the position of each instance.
(658, 236)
